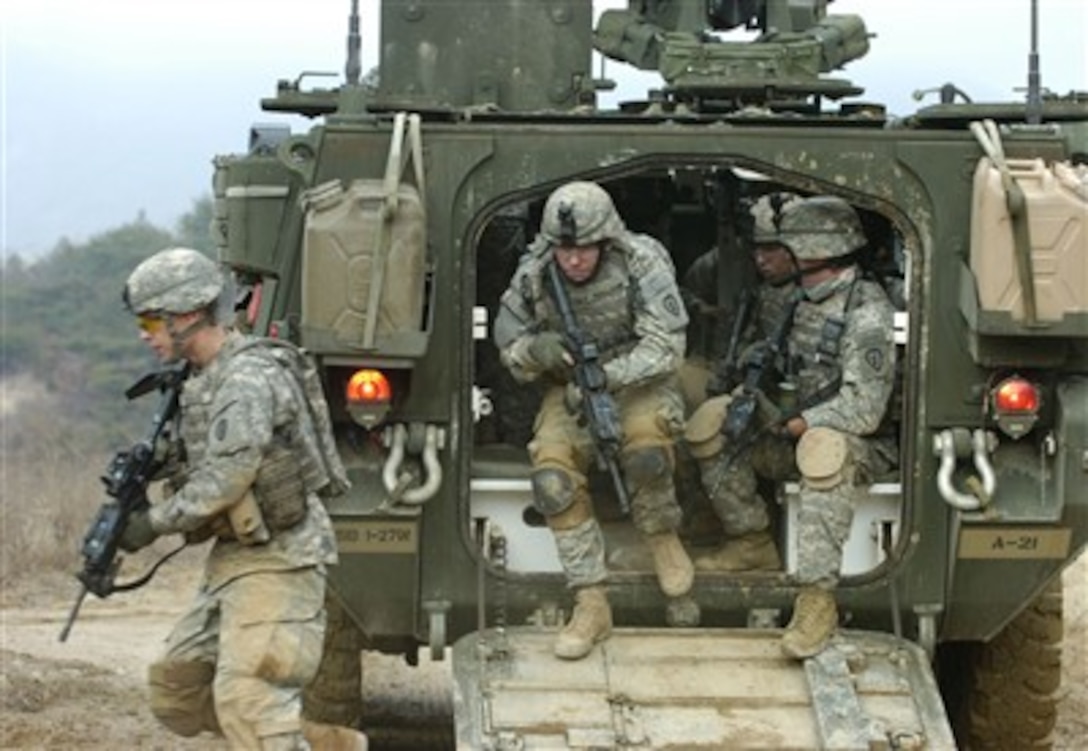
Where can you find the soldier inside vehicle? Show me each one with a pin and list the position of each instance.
(795, 302)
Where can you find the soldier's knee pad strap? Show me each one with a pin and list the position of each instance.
(823, 456)
(553, 491)
(181, 695)
(643, 466)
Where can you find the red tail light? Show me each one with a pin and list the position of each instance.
(1016, 395)
(368, 387)
(1015, 403)
(368, 395)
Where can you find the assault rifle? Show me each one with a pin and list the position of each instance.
(598, 407)
(738, 425)
(725, 374)
(126, 480)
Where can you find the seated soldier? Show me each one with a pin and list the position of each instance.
(833, 354)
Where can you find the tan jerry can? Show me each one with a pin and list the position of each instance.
(364, 250)
(1057, 217)
(340, 249)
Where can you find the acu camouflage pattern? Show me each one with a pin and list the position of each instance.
(820, 227)
(237, 660)
(767, 214)
(865, 365)
(582, 554)
(631, 307)
(231, 414)
(852, 379)
(864, 357)
(175, 280)
(258, 617)
(595, 216)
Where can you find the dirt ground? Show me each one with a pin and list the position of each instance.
(88, 693)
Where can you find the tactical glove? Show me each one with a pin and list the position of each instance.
(549, 353)
(138, 533)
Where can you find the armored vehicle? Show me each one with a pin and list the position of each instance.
(382, 239)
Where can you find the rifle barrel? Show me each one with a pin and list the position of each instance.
(74, 614)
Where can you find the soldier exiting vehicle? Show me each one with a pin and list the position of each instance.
(253, 437)
(621, 289)
(819, 384)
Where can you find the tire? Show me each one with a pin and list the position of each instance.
(335, 695)
(1003, 695)
(406, 713)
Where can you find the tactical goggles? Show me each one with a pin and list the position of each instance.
(151, 323)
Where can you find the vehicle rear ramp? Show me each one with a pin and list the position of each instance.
(694, 689)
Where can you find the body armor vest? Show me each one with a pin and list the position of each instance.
(602, 306)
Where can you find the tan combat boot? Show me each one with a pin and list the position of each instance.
(675, 573)
(590, 623)
(814, 620)
(754, 551)
(322, 737)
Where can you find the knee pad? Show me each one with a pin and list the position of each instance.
(181, 696)
(644, 466)
(553, 491)
(703, 432)
(823, 457)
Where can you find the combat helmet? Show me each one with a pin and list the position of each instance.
(580, 213)
(766, 215)
(821, 227)
(175, 280)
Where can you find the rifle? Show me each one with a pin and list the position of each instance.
(599, 411)
(737, 426)
(126, 480)
(725, 374)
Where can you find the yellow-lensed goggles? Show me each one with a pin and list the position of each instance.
(150, 323)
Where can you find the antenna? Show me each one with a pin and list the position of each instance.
(1035, 96)
(354, 67)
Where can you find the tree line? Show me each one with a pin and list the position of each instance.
(65, 327)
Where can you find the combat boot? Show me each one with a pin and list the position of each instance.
(590, 623)
(675, 573)
(322, 737)
(754, 551)
(815, 618)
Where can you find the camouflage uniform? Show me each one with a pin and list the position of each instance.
(236, 661)
(866, 366)
(631, 308)
(840, 360)
(732, 488)
(845, 379)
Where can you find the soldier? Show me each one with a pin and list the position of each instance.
(237, 660)
(623, 292)
(753, 318)
(836, 368)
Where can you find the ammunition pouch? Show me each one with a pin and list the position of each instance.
(280, 487)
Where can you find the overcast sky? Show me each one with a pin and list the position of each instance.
(109, 108)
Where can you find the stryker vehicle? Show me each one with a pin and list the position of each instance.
(382, 238)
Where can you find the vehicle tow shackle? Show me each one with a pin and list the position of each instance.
(958, 443)
(397, 482)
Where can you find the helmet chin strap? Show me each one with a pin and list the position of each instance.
(178, 337)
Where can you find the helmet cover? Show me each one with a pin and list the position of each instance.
(821, 227)
(175, 280)
(579, 214)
